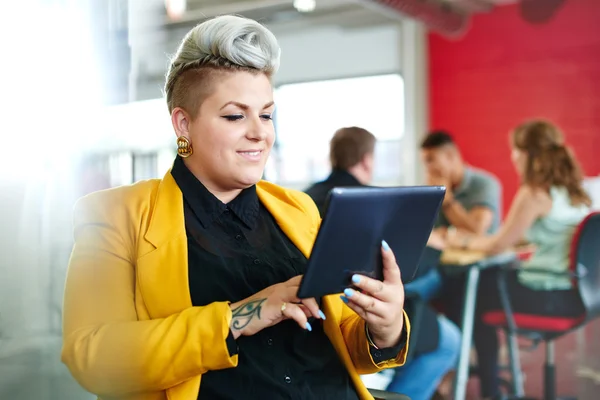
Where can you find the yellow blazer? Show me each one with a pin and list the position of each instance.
(130, 331)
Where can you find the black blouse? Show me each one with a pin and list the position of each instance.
(234, 251)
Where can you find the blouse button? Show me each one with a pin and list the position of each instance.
(270, 342)
(287, 379)
(257, 261)
(238, 237)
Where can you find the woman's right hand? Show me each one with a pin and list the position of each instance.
(271, 306)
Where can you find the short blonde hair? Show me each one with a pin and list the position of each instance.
(222, 44)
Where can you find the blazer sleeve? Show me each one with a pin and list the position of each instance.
(107, 349)
(353, 326)
(353, 330)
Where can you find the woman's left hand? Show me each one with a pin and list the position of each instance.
(379, 303)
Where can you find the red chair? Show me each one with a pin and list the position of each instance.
(585, 272)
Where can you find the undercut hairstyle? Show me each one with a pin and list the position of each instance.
(213, 48)
(436, 139)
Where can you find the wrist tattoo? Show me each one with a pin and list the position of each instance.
(244, 314)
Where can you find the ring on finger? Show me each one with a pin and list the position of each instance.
(283, 306)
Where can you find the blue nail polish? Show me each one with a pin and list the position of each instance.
(308, 327)
(344, 299)
(322, 315)
(348, 292)
(385, 246)
(356, 278)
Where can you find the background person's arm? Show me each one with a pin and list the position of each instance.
(480, 217)
(525, 209)
(477, 220)
(437, 239)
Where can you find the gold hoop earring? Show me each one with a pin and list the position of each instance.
(184, 147)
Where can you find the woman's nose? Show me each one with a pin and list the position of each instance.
(256, 130)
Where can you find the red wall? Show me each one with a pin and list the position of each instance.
(505, 70)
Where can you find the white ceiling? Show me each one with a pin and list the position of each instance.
(280, 12)
(346, 13)
(152, 32)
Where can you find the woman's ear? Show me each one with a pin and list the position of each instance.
(180, 120)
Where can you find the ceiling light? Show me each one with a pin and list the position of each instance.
(305, 5)
(175, 8)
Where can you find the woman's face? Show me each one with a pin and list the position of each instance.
(233, 132)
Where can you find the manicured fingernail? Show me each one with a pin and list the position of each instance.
(385, 246)
(348, 292)
(356, 278)
(322, 315)
(308, 327)
(344, 299)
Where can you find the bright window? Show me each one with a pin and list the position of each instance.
(309, 113)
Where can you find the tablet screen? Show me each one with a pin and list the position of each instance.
(355, 223)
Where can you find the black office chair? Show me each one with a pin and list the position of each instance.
(585, 272)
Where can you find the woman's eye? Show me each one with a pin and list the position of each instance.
(233, 117)
(268, 117)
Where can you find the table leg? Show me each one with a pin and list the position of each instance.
(468, 317)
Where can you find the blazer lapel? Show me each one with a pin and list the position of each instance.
(292, 221)
(163, 272)
(331, 326)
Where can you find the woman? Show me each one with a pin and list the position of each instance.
(185, 287)
(548, 206)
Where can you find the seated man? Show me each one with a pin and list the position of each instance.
(473, 197)
(436, 350)
(351, 155)
(472, 204)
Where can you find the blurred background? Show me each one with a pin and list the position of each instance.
(82, 110)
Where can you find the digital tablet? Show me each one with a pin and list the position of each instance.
(356, 220)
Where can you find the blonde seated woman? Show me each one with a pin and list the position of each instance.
(546, 210)
(184, 288)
